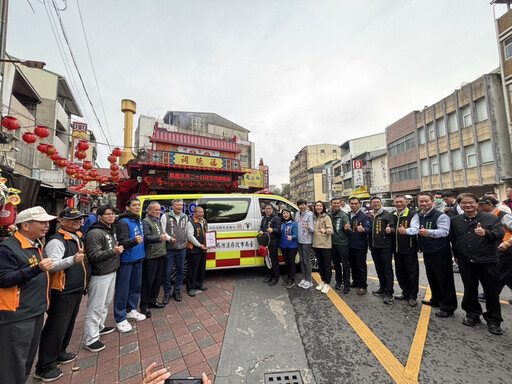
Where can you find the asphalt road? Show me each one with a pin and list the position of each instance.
(346, 338)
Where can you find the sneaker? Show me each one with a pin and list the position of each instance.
(96, 346)
(301, 283)
(338, 286)
(326, 288)
(52, 375)
(66, 358)
(481, 296)
(107, 330)
(290, 284)
(346, 289)
(388, 299)
(285, 283)
(308, 284)
(124, 326)
(134, 315)
(320, 286)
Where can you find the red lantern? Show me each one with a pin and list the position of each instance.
(41, 131)
(50, 150)
(93, 173)
(61, 162)
(114, 173)
(104, 179)
(114, 167)
(149, 180)
(29, 137)
(117, 152)
(80, 154)
(87, 165)
(55, 157)
(71, 171)
(79, 176)
(112, 159)
(82, 145)
(42, 147)
(10, 123)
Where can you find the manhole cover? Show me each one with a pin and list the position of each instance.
(291, 377)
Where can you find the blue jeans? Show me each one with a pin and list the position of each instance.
(178, 256)
(128, 284)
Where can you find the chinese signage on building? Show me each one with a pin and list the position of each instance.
(199, 177)
(253, 178)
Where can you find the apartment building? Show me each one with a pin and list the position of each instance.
(463, 142)
(308, 176)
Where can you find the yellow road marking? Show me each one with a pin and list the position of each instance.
(412, 368)
(395, 369)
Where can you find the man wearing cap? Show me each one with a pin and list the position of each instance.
(475, 238)
(103, 252)
(24, 294)
(410, 202)
(69, 279)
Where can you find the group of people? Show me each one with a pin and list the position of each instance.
(474, 233)
(124, 261)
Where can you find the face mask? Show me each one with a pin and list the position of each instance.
(439, 201)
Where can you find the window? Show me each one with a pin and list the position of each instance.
(470, 155)
(456, 159)
(434, 165)
(421, 135)
(444, 162)
(466, 116)
(441, 127)
(481, 110)
(404, 172)
(486, 152)
(424, 167)
(431, 132)
(452, 122)
(508, 48)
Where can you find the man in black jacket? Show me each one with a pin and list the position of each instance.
(381, 241)
(271, 224)
(70, 275)
(475, 238)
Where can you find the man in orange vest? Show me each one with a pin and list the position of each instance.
(24, 294)
(489, 204)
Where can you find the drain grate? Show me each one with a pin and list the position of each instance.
(291, 377)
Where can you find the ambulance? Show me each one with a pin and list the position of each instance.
(235, 219)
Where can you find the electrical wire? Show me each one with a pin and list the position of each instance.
(93, 69)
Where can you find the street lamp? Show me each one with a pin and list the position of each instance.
(26, 63)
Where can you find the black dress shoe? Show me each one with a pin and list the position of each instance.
(378, 293)
(273, 282)
(346, 289)
(203, 288)
(156, 304)
(494, 329)
(443, 314)
(147, 313)
(471, 321)
(166, 300)
(338, 286)
(430, 303)
(177, 296)
(267, 279)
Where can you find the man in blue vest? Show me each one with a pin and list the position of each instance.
(129, 232)
(434, 242)
(24, 294)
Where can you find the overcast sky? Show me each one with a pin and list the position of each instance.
(293, 72)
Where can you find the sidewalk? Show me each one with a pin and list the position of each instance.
(185, 337)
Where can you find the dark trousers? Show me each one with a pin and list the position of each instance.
(323, 255)
(18, 348)
(357, 262)
(341, 266)
(407, 273)
(440, 278)
(382, 258)
(273, 252)
(196, 264)
(152, 270)
(487, 274)
(58, 329)
(289, 260)
(505, 266)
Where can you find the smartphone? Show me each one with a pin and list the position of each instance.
(184, 380)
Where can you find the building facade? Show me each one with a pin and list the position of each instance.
(463, 141)
(402, 156)
(308, 176)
